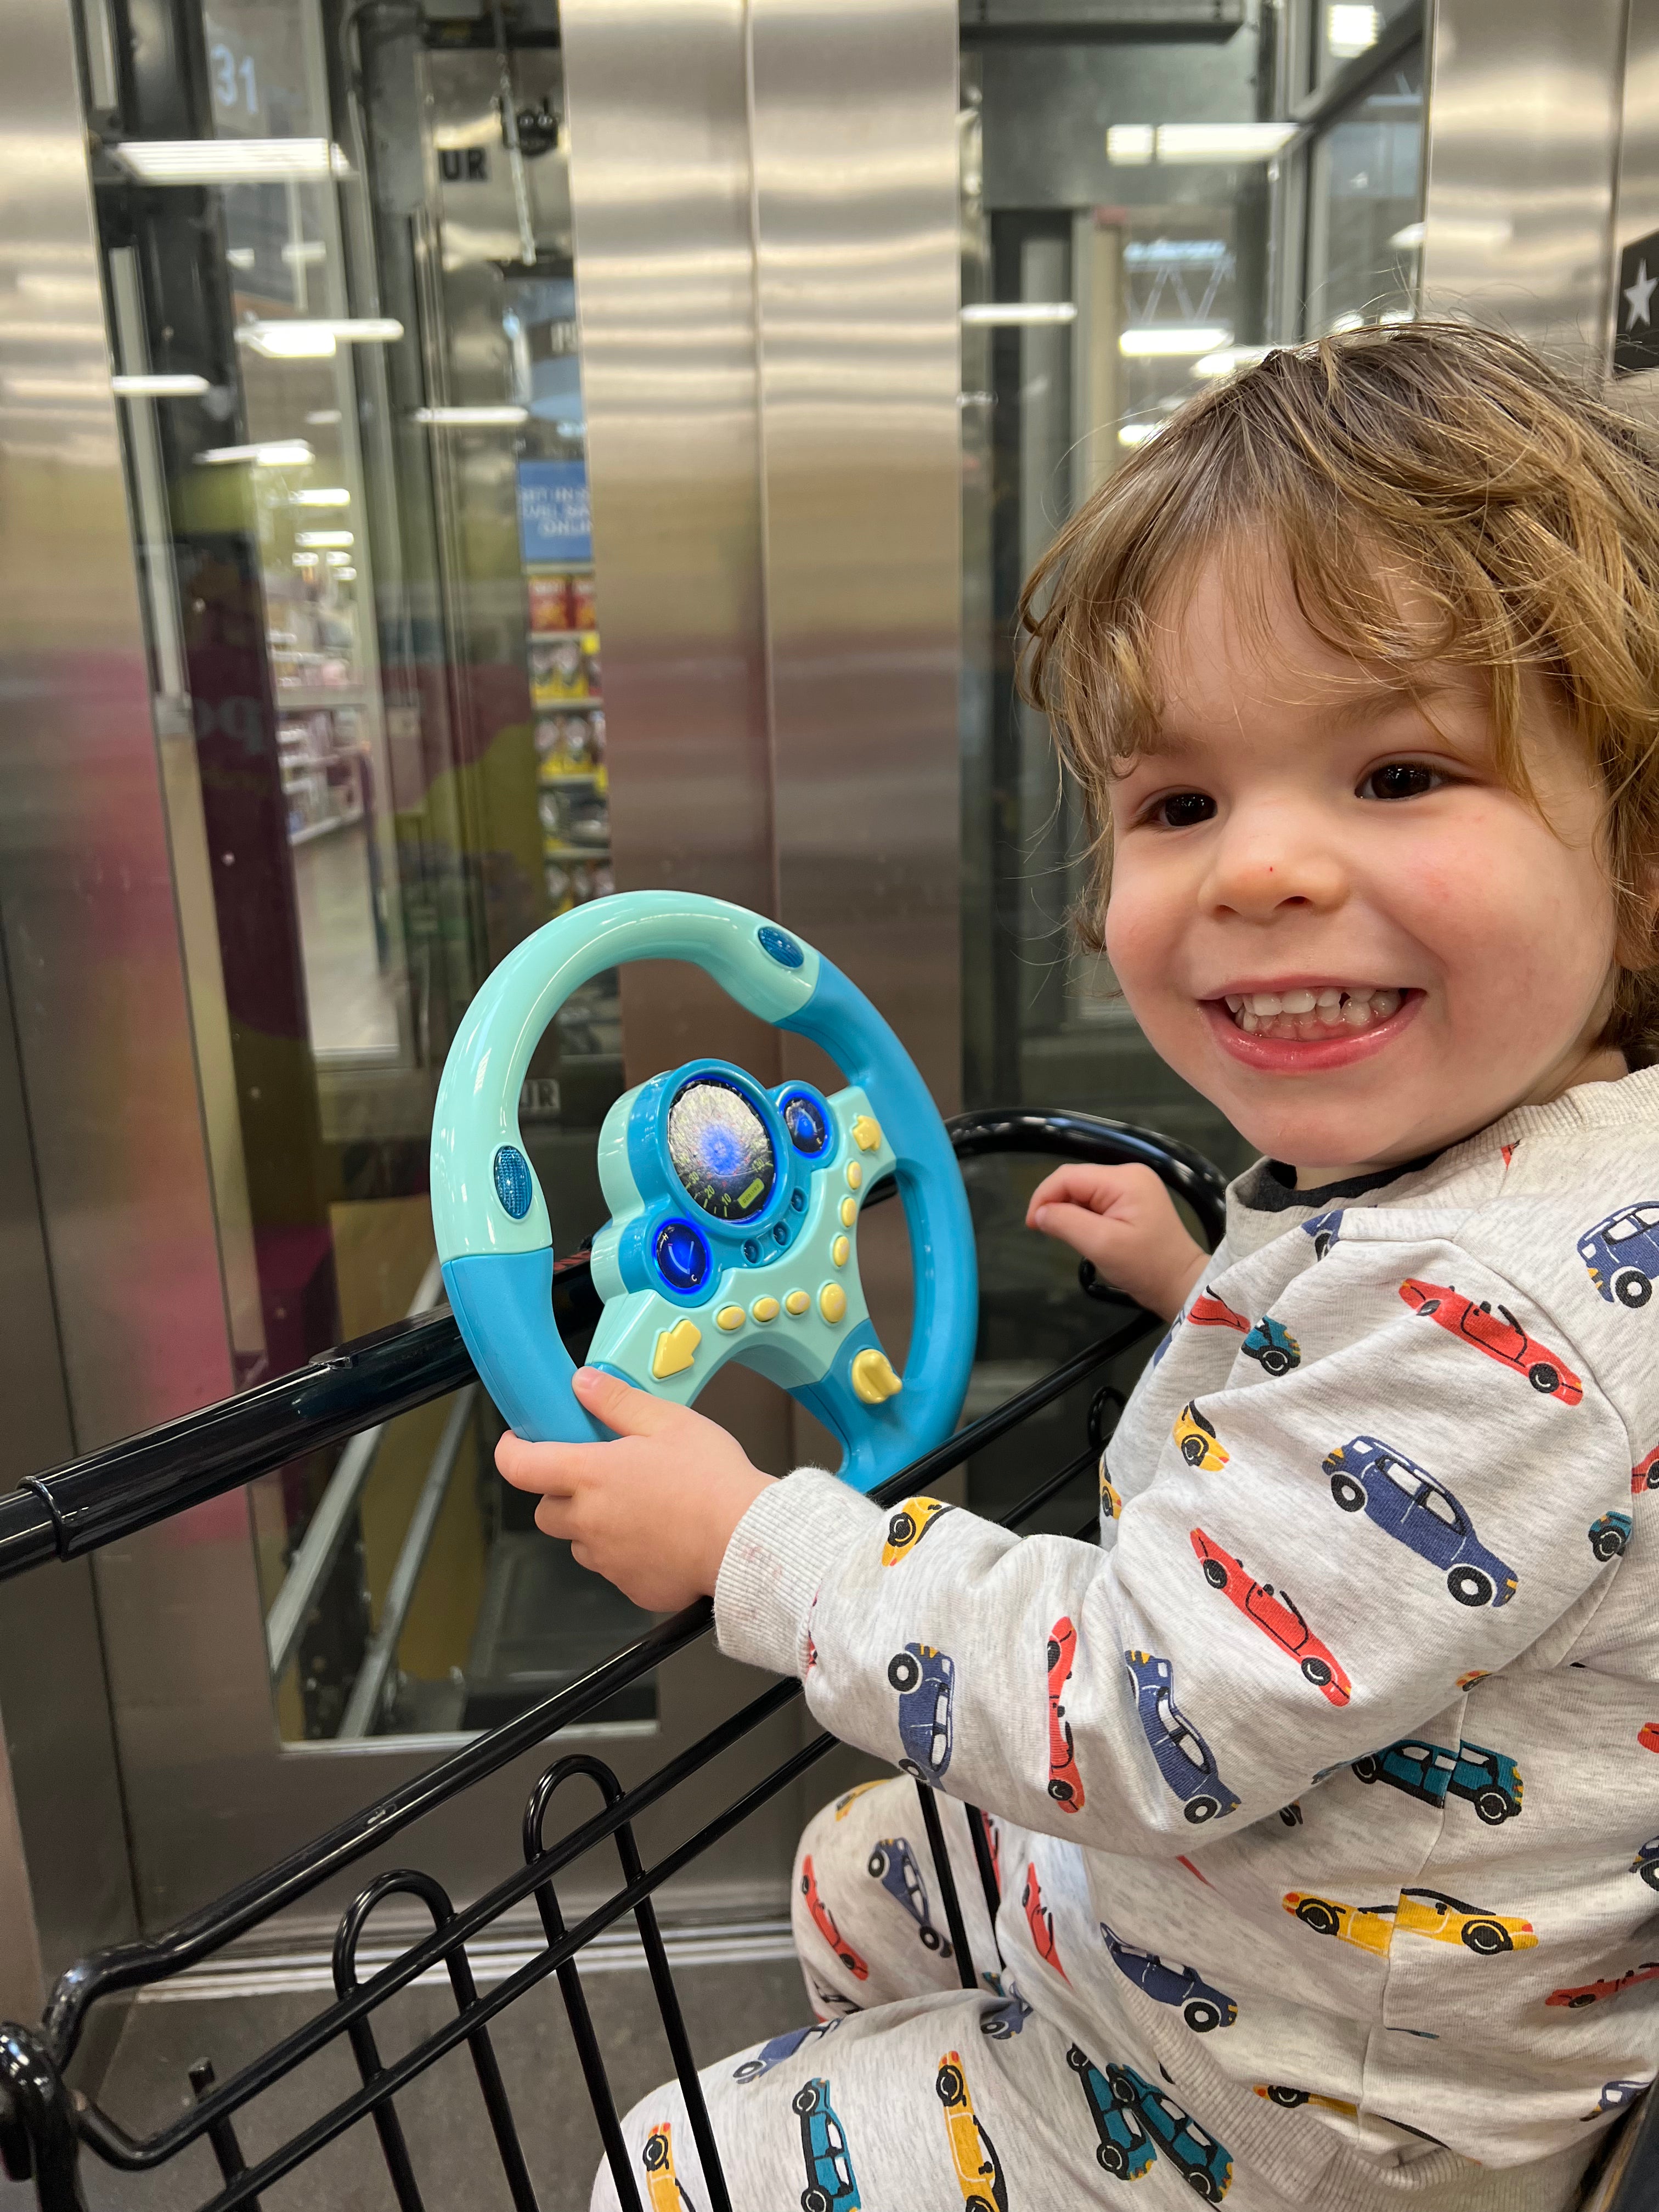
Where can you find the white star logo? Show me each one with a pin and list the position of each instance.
(1640, 295)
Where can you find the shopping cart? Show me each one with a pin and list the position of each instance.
(46, 2128)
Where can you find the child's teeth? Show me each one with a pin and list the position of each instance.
(1330, 998)
(1246, 1020)
(1311, 1014)
(1264, 1004)
(1357, 1013)
(1298, 1002)
(1384, 1003)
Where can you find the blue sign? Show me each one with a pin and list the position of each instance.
(554, 523)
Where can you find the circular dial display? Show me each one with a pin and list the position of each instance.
(720, 1151)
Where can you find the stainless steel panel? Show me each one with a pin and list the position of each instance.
(1523, 135)
(1637, 200)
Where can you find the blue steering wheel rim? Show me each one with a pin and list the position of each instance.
(491, 1219)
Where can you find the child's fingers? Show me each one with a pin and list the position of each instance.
(1074, 1184)
(1079, 1226)
(630, 1411)
(556, 1517)
(555, 1468)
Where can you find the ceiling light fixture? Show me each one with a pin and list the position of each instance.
(1152, 340)
(229, 160)
(463, 418)
(1132, 145)
(1137, 434)
(299, 340)
(319, 539)
(1230, 358)
(323, 495)
(280, 453)
(1018, 314)
(158, 387)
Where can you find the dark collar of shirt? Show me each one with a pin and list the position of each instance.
(1270, 1188)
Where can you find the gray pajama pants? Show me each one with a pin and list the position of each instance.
(912, 2094)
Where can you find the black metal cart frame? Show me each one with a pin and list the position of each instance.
(59, 1516)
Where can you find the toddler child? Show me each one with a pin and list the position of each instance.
(1325, 1790)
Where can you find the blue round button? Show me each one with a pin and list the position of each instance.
(780, 1232)
(781, 946)
(752, 1250)
(806, 1121)
(682, 1256)
(798, 1202)
(514, 1186)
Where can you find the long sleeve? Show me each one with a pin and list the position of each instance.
(1413, 1486)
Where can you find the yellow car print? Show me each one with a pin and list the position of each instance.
(844, 1803)
(1197, 1439)
(1110, 1503)
(979, 2176)
(1277, 2094)
(1420, 1912)
(910, 1524)
(661, 2183)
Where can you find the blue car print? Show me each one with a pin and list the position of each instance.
(1202, 2006)
(1324, 1229)
(1646, 1862)
(1205, 2165)
(1167, 1338)
(779, 2048)
(893, 1864)
(1488, 1780)
(1610, 1535)
(1184, 1759)
(831, 2185)
(1271, 1344)
(1616, 2096)
(1622, 1253)
(1407, 1503)
(1122, 2148)
(1006, 2017)
(925, 1681)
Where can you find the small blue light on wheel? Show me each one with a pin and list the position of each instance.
(514, 1186)
(682, 1256)
(752, 1250)
(806, 1121)
(781, 946)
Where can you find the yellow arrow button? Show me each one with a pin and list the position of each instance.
(873, 1378)
(866, 1133)
(677, 1348)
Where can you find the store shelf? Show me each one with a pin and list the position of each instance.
(568, 853)
(313, 831)
(567, 705)
(561, 779)
(560, 636)
(293, 698)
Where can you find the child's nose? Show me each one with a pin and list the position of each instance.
(1276, 856)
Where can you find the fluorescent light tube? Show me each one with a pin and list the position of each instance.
(229, 160)
(1137, 434)
(1153, 340)
(320, 538)
(1011, 314)
(1132, 145)
(279, 453)
(460, 418)
(1230, 358)
(308, 340)
(158, 387)
(323, 495)
(1129, 145)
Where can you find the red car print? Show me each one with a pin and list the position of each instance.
(1276, 1615)
(1040, 1922)
(1648, 1735)
(1495, 1331)
(1592, 1992)
(823, 1921)
(1644, 1475)
(1065, 1783)
(1208, 1311)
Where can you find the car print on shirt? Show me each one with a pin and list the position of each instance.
(1200, 2004)
(824, 1921)
(1276, 1615)
(1496, 1332)
(1648, 1735)
(1197, 1439)
(1184, 1759)
(1208, 1311)
(1006, 2017)
(830, 2184)
(1277, 2094)
(844, 1803)
(1040, 1920)
(1405, 1502)
(1622, 1253)
(1488, 1780)
(1122, 2148)
(1065, 1783)
(979, 2175)
(910, 1522)
(1324, 1229)
(1427, 1912)
(1644, 1475)
(662, 2183)
(1617, 2097)
(1272, 1347)
(925, 1681)
(1111, 1504)
(894, 1864)
(1203, 2164)
(1589, 1993)
(779, 2048)
(1609, 1536)
(1646, 1862)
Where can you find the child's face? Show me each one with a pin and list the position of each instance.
(1302, 830)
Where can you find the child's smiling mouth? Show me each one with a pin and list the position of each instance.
(1308, 1025)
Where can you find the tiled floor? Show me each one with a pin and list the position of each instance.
(726, 2006)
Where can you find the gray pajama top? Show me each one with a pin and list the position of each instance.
(1353, 1716)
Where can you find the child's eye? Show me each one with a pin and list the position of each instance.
(1399, 779)
(1179, 809)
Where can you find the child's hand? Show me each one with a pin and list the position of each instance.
(1125, 1221)
(652, 1512)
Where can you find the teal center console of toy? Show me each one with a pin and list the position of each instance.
(734, 1208)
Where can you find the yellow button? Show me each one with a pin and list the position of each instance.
(874, 1379)
(854, 1176)
(677, 1348)
(763, 1310)
(839, 1250)
(866, 1133)
(832, 1301)
(795, 1301)
(728, 1318)
(849, 1211)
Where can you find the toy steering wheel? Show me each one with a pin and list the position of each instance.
(734, 1209)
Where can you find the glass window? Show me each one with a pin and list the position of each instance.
(374, 603)
(1365, 206)
(1344, 32)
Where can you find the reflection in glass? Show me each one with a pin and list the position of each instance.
(1365, 206)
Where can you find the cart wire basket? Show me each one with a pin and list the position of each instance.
(46, 2128)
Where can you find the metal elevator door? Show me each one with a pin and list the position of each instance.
(536, 487)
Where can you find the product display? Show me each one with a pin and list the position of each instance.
(573, 786)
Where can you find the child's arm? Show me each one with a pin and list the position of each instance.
(1124, 1220)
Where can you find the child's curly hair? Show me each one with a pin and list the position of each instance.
(1524, 512)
